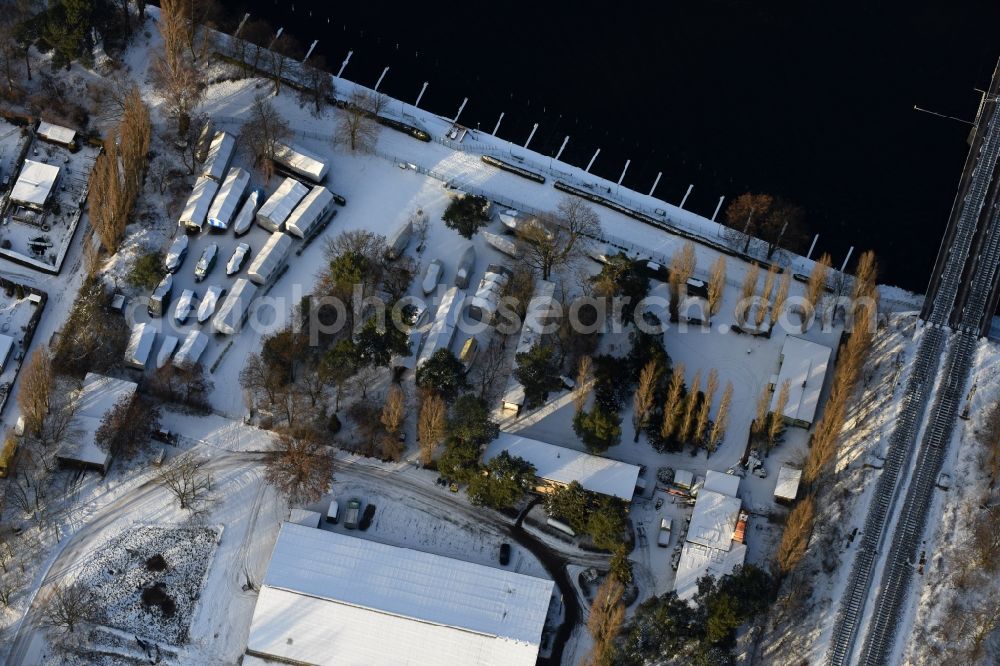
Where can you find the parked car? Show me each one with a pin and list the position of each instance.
(176, 254)
(352, 513)
(505, 554)
(333, 512)
(366, 517)
(209, 302)
(160, 298)
(239, 259)
(185, 304)
(206, 262)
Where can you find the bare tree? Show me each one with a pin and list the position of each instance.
(356, 128)
(187, 481)
(263, 132)
(607, 614)
(780, 297)
(682, 265)
(795, 538)
(490, 369)
(716, 285)
(584, 383)
(815, 287)
(317, 86)
(431, 426)
(127, 427)
(721, 420)
(109, 205)
(70, 605)
(673, 406)
(701, 420)
(175, 70)
(746, 293)
(284, 48)
(34, 396)
(299, 466)
(559, 239)
(742, 216)
(760, 415)
(690, 409)
(645, 394)
(12, 582)
(135, 131)
(777, 423)
(394, 409)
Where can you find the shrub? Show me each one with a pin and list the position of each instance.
(147, 271)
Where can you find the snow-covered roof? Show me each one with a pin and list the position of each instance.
(304, 517)
(140, 343)
(301, 161)
(56, 133)
(698, 561)
(331, 598)
(310, 211)
(191, 349)
(726, 484)
(97, 396)
(273, 213)
(196, 209)
(6, 344)
(34, 184)
(442, 330)
(787, 486)
(561, 465)
(713, 520)
(803, 366)
(683, 478)
(270, 258)
(220, 153)
(230, 314)
(224, 205)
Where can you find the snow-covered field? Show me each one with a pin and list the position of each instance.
(148, 579)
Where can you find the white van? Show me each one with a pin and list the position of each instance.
(333, 512)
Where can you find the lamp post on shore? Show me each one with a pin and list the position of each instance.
(655, 183)
(591, 162)
(462, 106)
(531, 136)
(686, 195)
(498, 124)
(422, 89)
(343, 65)
(379, 82)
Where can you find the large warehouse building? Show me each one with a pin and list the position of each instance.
(329, 598)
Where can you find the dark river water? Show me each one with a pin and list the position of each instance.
(809, 100)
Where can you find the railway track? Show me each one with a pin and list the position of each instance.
(897, 572)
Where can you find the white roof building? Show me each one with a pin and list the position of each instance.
(34, 184)
(300, 161)
(280, 204)
(140, 343)
(562, 466)
(803, 366)
(312, 210)
(270, 258)
(196, 209)
(97, 396)
(220, 154)
(329, 598)
(709, 548)
(224, 205)
(787, 486)
(442, 331)
(56, 133)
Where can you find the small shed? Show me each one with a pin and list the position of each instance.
(787, 487)
(97, 396)
(57, 134)
(683, 478)
(35, 184)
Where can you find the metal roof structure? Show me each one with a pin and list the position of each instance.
(56, 133)
(560, 465)
(331, 598)
(140, 343)
(270, 258)
(34, 184)
(713, 520)
(273, 213)
(310, 212)
(787, 486)
(803, 366)
(301, 161)
(698, 561)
